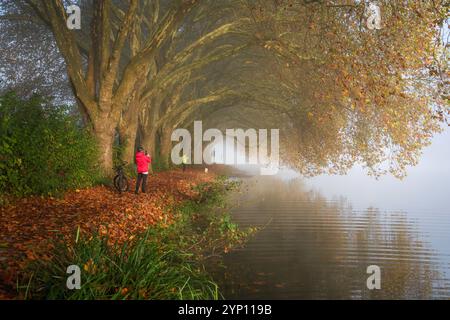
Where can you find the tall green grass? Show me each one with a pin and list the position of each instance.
(165, 262)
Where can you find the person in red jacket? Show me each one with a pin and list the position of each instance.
(142, 162)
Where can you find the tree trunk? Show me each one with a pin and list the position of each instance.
(166, 146)
(105, 139)
(127, 134)
(148, 140)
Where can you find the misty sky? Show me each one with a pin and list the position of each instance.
(426, 188)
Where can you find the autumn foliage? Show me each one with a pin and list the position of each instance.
(29, 226)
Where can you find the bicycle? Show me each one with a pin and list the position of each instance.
(120, 180)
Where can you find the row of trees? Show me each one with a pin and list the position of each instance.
(339, 92)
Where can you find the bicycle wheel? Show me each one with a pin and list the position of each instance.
(121, 183)
(115, 182)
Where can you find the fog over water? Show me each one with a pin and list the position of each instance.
(426, 187)
(424, 194)
(319, 234)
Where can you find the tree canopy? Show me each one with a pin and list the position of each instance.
(339, 92)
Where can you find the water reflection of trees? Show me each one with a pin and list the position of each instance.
(316, 248)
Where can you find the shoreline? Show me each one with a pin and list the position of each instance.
(97, 210)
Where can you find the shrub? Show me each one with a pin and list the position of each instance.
(43, 148)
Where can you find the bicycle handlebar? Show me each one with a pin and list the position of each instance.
(121, 164)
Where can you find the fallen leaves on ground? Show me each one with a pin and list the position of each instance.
(28, 226)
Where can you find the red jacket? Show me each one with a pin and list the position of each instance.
(142, 162)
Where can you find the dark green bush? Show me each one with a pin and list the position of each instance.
(43, 148)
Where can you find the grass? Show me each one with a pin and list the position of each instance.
(165, 262)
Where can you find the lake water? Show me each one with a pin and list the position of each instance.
(319, 235)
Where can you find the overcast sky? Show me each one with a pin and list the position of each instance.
(427, 186)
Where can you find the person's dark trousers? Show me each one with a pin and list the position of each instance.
(141, 178)
(184, 167)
